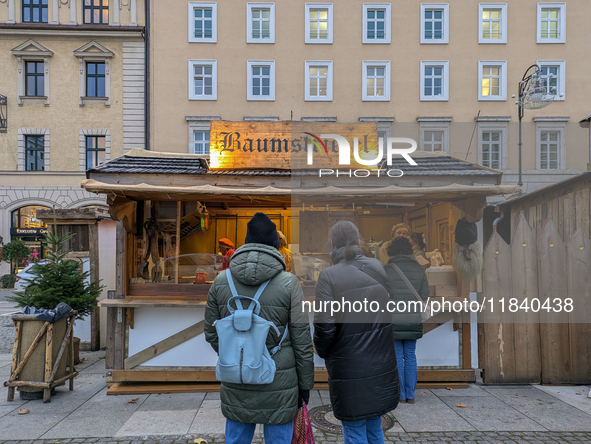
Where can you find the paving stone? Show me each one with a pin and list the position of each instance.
(165, 422)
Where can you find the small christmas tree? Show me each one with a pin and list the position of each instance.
(60, 280)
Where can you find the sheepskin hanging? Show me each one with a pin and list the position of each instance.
(466, 251)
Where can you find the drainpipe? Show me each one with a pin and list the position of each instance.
(496, 221)
(147, 74)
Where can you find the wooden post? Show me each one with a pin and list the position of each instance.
(48, 359)
(71, 363)
(95, 318)
(15, 356)
(178, 241)
(116, 328)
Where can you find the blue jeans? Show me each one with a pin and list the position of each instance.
(367, 431)
(407, 367)
(241, 433)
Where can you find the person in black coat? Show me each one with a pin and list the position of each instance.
(358, 348)
(407, 325)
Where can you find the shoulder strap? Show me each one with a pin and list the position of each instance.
(406, 281)
(371, 273)
(254, 299)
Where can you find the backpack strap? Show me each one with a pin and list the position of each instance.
(278, 346)
(254, 301)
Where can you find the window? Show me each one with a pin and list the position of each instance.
(95, 151)
(554, 76)
(434, 23)
(203, 22)
(549, 142)
(492, 23)
(200, 142)
(96, 12)
(318, 23)
(34, 153)
(34, 11)
(433, 141)
(376, 81)
(203, 80)
(434, 133)
(318, 81)
(434, 80)
(491, 149)
(376, 22)
(260, 25)
(34, 79)
(261, 80)
(95, 79)
(551, 23)
(492, 80)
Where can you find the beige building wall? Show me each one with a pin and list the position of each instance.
(171, 52)
(64, 116)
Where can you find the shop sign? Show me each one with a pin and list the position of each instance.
(28, 231)
(291, 145)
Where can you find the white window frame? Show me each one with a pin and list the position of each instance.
(501, 127)
(434, 126)
(24, 55)
(440, 6)
(214, 20)
(445, 84)
(387, 25)
(328, 40)
(502, 84)
(329, 83)
(557, 127)
(249, 95)
(561, 75)
(503, 27)
(561, 22)
(214, 83)
(249, 8)
(377, 63)
(192, 141)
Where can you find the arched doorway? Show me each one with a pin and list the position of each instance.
(25, 226)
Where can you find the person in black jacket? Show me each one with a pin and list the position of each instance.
(407, 325)
(358, 348)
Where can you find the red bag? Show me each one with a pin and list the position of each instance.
(302, 428)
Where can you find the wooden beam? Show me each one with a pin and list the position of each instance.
(178, 242)
(95, 315)
(140, 375)
(164, 345)
(48, 359)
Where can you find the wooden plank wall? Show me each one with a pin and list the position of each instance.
(526, 347)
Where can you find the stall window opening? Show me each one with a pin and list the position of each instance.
(34, 153)
(95, 151)
(34, 11)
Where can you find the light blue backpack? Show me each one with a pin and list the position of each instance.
(243, 355)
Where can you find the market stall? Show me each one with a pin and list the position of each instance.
(173, 209)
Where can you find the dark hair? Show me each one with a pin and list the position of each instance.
(417, 238)
(400, 245)
(344, 234)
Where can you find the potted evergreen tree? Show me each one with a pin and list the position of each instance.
(59, 280)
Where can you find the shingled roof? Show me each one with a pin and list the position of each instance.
(428, 164)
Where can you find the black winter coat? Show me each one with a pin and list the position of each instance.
(358, 352)
(407, 325)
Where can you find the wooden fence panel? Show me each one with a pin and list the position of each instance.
(554, 336)
(578, 261)
(498, 357)
(524, 265)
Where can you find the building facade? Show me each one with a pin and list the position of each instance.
(73, 78)
(443, 74)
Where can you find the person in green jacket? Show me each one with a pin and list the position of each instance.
(275, 405)
(407, 326)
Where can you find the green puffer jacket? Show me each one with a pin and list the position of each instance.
(281, 303)
(407, 325)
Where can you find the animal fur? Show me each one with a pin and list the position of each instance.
(467, 269)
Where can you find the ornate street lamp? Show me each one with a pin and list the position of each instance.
(533, 94)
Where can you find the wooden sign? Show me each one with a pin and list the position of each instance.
(286, 144)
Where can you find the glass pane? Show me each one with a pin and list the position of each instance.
(89, 159)
(91, 68)
(208, 70)
(207, 13)
(40, 86)
(90, 87)
(323, 14)
(323, 70)
(105, 16)
(486, 137)
(101, 87)
(100, 68)
(30, 89)
(266, 71)
(90, 142)
(495, 136)
(102, 156)
(101, 142)
(266, 82)
(380, 14)
(265, 91)
(208, 91)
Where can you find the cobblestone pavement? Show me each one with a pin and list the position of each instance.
(322, 438)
